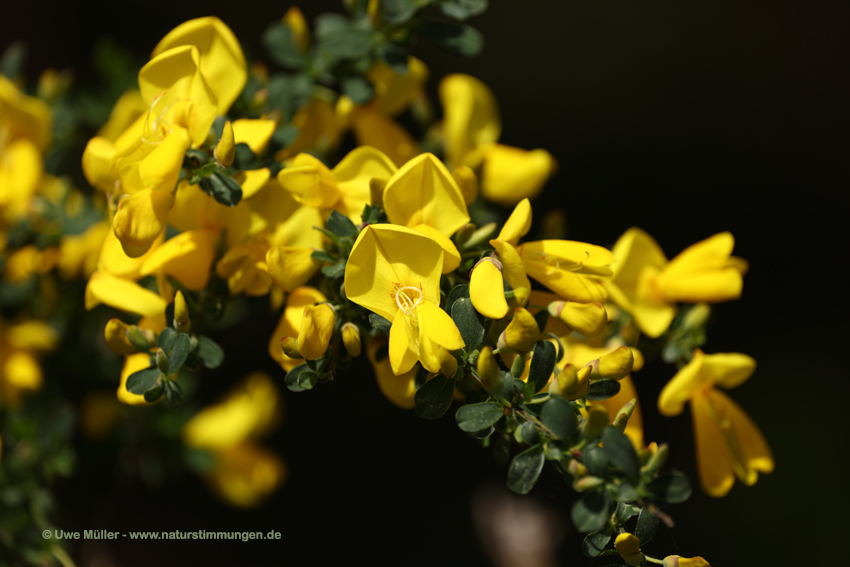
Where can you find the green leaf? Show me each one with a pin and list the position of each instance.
(556, 450)
(399, 11)
(591, 513)
(673, 488)
(468, 323)
(358, 89)
(279, 40)
(621, 453)
(528, 433)
(542, 365)
(225, 189)
(289, 92)
(333, 237)
(624, 512)
(457, 292)
(462, 9)
(179, 352)
(329, 24)
(541, 318)
(502, 449)
(341, 225)
(559, 416)
(647, 524)
(595, 543)
(307, 379)
(166, 338)
(141, 381)
(596, 461)
(455, 38)
(323, 256)
(347, 43)
(482, 434)
(291, 379)
(434, 397)
(380, 323)
(626, 492)
(209, 352)
(336, 270)
(525, 468)
(154, 394)
(603, 389)
(204, 171)
(475, 417)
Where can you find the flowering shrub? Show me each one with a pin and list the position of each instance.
(213, 181)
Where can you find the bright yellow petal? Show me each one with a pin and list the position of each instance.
(26, 117)
(729, 370)
(161, 168)
(353, 174)
(97, 164)
(712, 252)
(222, 61)
(402, 335)
(518, 224)
(140, 220)
(290, 267)
(451, 256)
(465, 178)
(256, 133)
(688, 382)
(400, 390)
(424, 192)
(188, 257)
(124, 295)
(486, 290)
(513, 269)
(522, 332)
(316, 330)
(714, 462)
(471, 115)
(511, 174)
(439, 326)
(395, 91)
(568, 285)
(114, 260)
(310, 182)
(748, 444)
(712, 286)
(252, 180)
(588, 319)
(387, 257)
(290, 322)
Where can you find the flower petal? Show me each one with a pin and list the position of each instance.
(187, 257)
(404, 344)
(729, 370)
(487, 291)
(510, 174)
(400, 390)
(518, 224)
(689, 381)
(140, 220)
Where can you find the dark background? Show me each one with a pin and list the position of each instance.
(685, 119)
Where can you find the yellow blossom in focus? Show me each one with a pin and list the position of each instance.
(383, 276)
(290, 323)
(728, 443)
(648, 287)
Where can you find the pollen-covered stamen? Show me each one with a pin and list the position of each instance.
(408, 298)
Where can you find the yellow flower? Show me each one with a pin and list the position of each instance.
(424, 196)
(222, 61)
(25, 126)
(79, 253)
(351, 339)
(395, 272)
(245, 473)
(316, 330)
(628, 546)
(471, 128)
(290, 323)
(728, 443)
(647, 286)
(318, 130)
(244, 268)
(344, 188)
(19, 368)
(187, 257)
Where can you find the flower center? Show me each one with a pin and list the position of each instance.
(155, 131)
(408, 298)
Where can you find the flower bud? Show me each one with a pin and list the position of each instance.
(657, 460)
(487, 290)
(488, 371)
(225, 150)
(678, 561)
(351, 339)
(463, 234)
(468, 183)
(181, 314)
(522, 332)
(575, 468)
(162, 361)
(448, 363)
(595, 422)
(588, 319)
(481, 235)
(518, 366)
(587, 483)
(518, 297)
(116, 337)
(140, 338)
(317, 326)
(298, 25)
(615, 365)
(628, 546)
(697, 316)
(290, 347)
(624, 414)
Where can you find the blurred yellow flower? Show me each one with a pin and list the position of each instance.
(728, 443)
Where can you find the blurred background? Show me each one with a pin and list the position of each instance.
(685, 119)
